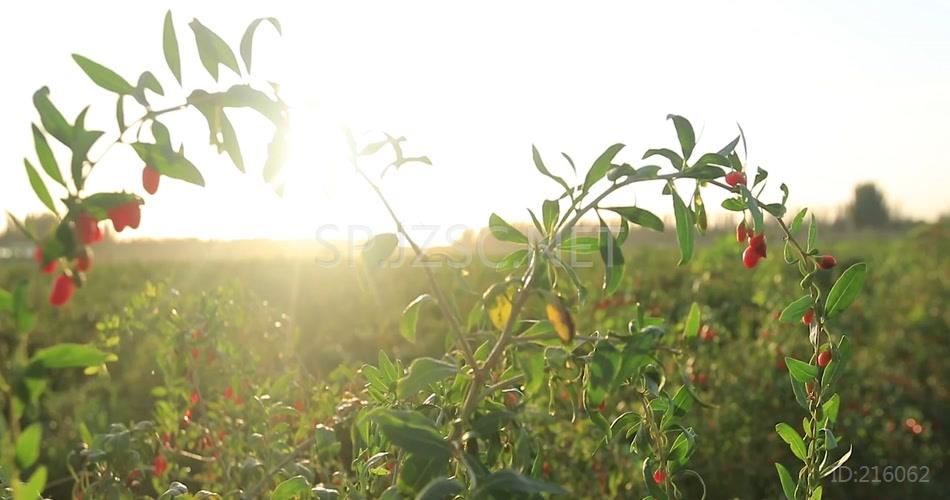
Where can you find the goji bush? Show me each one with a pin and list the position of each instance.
(236, 413)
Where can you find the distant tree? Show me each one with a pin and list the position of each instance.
(868, 209)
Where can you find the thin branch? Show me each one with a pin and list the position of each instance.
(440, 296)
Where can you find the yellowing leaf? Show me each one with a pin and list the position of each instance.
(500, 310)
(561, 318)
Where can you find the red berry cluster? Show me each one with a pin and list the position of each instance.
(756, 249)
(88, 233)
(735, 177)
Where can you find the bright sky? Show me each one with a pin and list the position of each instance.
(829, 93)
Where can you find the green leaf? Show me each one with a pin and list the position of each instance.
(683, 447)
(639, 217)
(790, 436)
(24, 319)
(243, 96)
(81, 141)
(28, 445)
(413, 432)
(550, 211)
(817, 493)
(148, 81)
(295, 487)
(846, 289)
(684, 132)
(776, 209)
(581, 244)
(829, 409)
(98, 205)
(34, 486)
(760, 175)
(812, 234)
(506, 481)
(797, 221)
(801, 371)
(704, 172)
(700, 211)
(601, 165)
(758, 223)
(410, 316)
(39, 187)
(69, 355)
(6, 301)
(612, 255)
(247, 41)
(415, 472)
(378, 249)
(618, 171)
(51, 118)
(714, 159)
(513, 260)
(684, 227)
(103, 76)
(838, 362)
(440, 488)
(826, 470)
(504, 231)
(212, 50)
(675, 159)
(168, 162)
(45, 155)
(539, 164)
(601, 370)
(733, 205)
(794, 311)
(170, 47)
(646, 172)
(729, 148)
(422, 373)
(691, 328)
(788, 484)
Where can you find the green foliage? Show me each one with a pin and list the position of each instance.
(233, 406)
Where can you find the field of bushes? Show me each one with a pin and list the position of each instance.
(250, 331)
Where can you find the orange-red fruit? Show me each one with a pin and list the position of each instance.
(707, 333)
(87, 227)
(757, 242)
(824, 357)
(195, 398)
(659, 476)
(808, 317)
(742, 233)
(735, 177)
(150, 179)
(38, 257)
(827, 261)
(63, 289)
(750, 257)
(126, 215)
(228, 392)
(159, 465)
